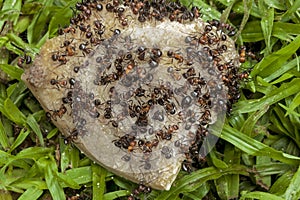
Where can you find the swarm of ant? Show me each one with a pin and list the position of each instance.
(138, 86)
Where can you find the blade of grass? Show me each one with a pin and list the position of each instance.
(290, 12)
(199, 177)
(13, 71)
(275, 60)
(281, 70)
(49, 167)
(20, 139)
(12, 112)
(31, 193)
(266, 23)
(249, 124)
(116, 194)
(232, 157)
(284, 91)
(247, 8)
(81, 175)
(260, 195)
(3, 137)
(282, 183)
(99, 175)
(293, 191)
(32, 123)
(37, 27)
(255, 148)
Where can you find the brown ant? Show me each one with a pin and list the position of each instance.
(136, 7)
(194, 81)
(129, 67)
(156, 53)
(178, 57)
(57, 113)
(146, 108)
(59, 83)
(243, 75)
(242, 58)
(172, 129)
(61, 58)
(109, 78)
(69, 29)
(205, 117)
(142, 120)
(146, 146)
(170, 108)
(190, 72)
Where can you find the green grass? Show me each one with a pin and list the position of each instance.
(259, 154)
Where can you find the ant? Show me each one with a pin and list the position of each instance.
(57, 113)
(68, 99)
(146, 146)
(133, 109)
(61, 58)
(140, 92)
(135, 7)
(69, 29)
(59, 83)
(205, 117)
(178, 57)
(72, 137)
(190, 72)
(194, 81)
(126, 142)
(146, 108)
(25, 59)
(170, 108)
(242, 58)
(172, 129)
(129, 67)
(104, 80)
(108, 110)
(142, 120)
(156, 53)
(137, 191)
(83, 47)
(141, 52)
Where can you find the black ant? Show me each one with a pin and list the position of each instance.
(72, 137)
(126, 142)
(108, 110)
(140, 92)
(137, 191)
(25, 59)
(141, 52)
(83, 47)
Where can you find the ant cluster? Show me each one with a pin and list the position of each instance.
(140, 91)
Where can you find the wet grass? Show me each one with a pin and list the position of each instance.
(256, 158)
